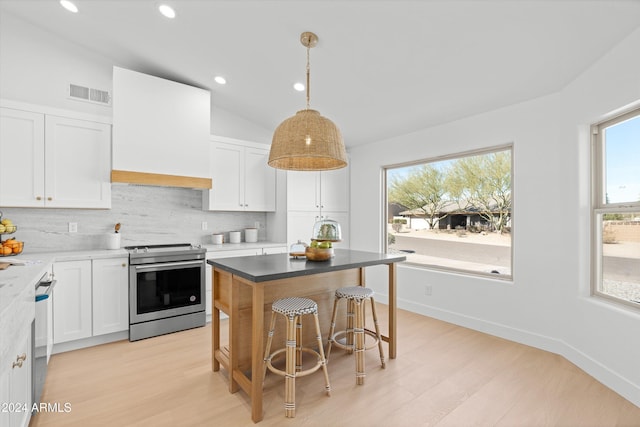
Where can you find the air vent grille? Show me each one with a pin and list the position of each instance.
(83, 93)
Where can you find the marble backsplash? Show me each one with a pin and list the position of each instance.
(147, 214)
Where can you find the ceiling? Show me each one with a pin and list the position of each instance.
(380, 69)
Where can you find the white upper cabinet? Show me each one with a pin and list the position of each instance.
(77, 163)
(48, 160)
(242, 180)
(312, 191)
(21, 158)
(160, 126)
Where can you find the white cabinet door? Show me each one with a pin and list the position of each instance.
(334, 190)
(312, 191)
(78, 163)
(300, 226)
(15, 383)
(110, 295)
(227, 164)
(259, 181)
(72, 301)
(303, 191)
(242, 180)
(21, 158)
(19, 384)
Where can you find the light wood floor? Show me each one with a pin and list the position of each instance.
(444, 375)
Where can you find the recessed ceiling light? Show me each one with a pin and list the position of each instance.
(220, 80)
(167, 11)
(299, 87)
(69, 6)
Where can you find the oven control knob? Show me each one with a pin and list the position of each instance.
(192, 298)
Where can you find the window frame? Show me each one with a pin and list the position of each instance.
(458, 155)
(600, 207)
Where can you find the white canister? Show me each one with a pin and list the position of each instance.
(218, 239)
(234, 236)
(250, 235)
(113, 241)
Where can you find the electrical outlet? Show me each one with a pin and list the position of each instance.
(428, 290)
(204, 225)
(257, 225)
(73, 227)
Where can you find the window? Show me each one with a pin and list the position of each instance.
(453, 213)
(616, 208)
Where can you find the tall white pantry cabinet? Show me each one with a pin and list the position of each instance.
(50, 158)
(312, 196)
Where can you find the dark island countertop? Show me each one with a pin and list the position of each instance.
(262, 268)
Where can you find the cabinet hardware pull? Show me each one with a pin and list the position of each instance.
(49, 198)
(124, 264)
(22, 358)
(38, 198)
(18, 364)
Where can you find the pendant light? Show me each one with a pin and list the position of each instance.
(307, 141)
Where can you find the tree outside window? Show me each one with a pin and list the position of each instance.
(457, 212)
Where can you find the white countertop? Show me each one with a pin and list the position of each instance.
(16, 278)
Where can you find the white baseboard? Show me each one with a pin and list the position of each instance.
(89, 342)
(600, 372)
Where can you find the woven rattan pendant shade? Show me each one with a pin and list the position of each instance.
(307, 141)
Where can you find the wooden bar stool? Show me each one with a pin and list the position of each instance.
(293, 309)
(354, 334)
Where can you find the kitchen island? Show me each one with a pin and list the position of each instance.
(245, 287)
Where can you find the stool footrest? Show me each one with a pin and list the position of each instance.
(282, 373)
(351, 347)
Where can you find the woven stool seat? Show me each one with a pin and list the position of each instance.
(353, 338)
(293, 309)
(355, 292)
(295, 306)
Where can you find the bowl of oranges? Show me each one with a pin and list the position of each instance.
(11, 247)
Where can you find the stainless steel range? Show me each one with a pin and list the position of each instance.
(166, 289)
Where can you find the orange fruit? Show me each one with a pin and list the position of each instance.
(17, 248)
(6, 250)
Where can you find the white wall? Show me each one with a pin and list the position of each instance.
(548, 304)
(36, 67)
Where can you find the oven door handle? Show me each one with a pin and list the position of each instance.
(164, 265)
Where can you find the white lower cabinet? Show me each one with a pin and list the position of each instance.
(110, 295)
(275, 250)
(15, 391)
(90, 298)
(72, 301)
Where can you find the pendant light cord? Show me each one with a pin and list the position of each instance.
(308, 72)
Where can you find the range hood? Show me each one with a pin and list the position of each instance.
(160, 132)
